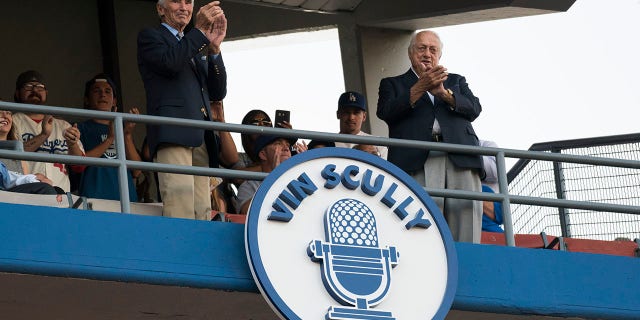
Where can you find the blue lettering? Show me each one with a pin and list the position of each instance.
(418, 221)
(333, 179)
(297, 191)
(289, 199)
(400, 210)
(366, 183)
(281, 213)
(349, 183)
(388, 199)
(300, 189)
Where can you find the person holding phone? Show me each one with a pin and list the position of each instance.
(283, 120)
(98, 136)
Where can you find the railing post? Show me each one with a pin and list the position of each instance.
(123, 179)
(563, 214)
(503, 186)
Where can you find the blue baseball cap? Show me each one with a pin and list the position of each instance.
(352, 99)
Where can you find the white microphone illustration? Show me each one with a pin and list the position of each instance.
(355, 270)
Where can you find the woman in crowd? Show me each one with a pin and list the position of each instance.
(14, 174)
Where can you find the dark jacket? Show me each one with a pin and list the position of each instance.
(416, 123)
(179, 81)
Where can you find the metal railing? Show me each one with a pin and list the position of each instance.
(502, 195)
(579, 182)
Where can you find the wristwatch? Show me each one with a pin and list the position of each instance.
(450, 92)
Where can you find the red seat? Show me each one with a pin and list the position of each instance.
(617, 248)
(522, 240)
(235, 218)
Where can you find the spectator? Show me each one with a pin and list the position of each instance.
(98, 137)
(491, 213)
(270, 152)
(147, 181)
(426, 103)
(8, 133)
(42, 132)
(226, 146)
(182, 72)
(14, 173)
(25, 183)
(248, 160)
(491, 210)
(489, 165)
(221, 196)
(368, 149)
(352, 112)
(320, 144)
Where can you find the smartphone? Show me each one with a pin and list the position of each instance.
(281, 116)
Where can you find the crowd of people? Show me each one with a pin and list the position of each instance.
(184, 77)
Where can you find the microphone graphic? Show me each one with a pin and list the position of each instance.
(355, 270)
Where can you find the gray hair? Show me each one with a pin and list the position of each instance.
(415, 35)
(161, 3)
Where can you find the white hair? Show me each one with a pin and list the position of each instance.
(161, 3)
(413, 38)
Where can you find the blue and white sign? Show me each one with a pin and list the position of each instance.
(335, 233)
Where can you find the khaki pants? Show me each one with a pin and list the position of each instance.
(184, 196)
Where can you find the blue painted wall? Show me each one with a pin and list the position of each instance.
(156, 250)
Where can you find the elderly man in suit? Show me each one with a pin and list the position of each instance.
(429, 104)
(182, 72)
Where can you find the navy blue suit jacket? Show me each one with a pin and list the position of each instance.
(179, 81)
(416, 123)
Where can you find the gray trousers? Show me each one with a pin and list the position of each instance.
(463, 216)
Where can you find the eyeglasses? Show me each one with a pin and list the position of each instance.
(34, 87)
(261, 122)
(423, 49)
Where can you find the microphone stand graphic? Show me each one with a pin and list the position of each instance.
(355, 270)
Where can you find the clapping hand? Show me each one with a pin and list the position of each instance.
(71, 134)
(211, 20)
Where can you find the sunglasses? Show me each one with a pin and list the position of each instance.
(261, 122)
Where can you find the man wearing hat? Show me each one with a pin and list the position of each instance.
(270, 151)
(352, 112)
(42, 132)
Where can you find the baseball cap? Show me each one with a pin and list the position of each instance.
(265, 140)
(352, 99)
(29, 76)
(102, 77)
(316, 143)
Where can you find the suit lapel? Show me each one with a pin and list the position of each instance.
(173, 40)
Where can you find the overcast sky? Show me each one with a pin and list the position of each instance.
(542, 78)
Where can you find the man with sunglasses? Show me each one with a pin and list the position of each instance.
(42, 132)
